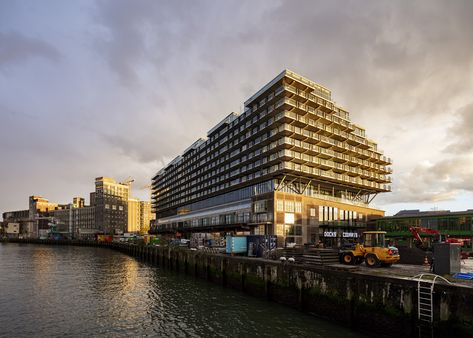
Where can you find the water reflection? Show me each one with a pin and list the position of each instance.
(60, 291)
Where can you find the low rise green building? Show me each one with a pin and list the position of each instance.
(454, 224)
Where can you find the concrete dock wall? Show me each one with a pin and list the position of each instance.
(376, 305)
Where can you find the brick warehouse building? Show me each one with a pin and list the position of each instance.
(292, 164)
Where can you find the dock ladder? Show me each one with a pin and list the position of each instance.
(425, 305)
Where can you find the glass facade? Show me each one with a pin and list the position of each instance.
(448, 223)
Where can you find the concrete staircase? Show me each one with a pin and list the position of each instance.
(320, 257)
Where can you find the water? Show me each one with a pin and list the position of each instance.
(78, 291)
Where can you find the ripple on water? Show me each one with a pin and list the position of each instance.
(73, 291)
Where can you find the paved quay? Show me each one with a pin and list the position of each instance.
(404, 271)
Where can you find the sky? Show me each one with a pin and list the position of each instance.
(119, 88)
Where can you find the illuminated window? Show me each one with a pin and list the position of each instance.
(289, 206)
(312, 212)
(279, 205)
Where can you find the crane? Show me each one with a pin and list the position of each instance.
(416, 231)
(128, 181)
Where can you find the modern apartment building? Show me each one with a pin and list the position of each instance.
(292, 164)
(133, 215)
(139, 216)
(146, 216)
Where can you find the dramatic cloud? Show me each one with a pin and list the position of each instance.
(447, 175)
(15, 48)
(441, 181)
(120, 88)
(461, 132)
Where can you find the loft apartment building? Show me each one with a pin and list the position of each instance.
(292, 165)
(111, 201)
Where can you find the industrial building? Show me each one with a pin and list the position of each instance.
(108, 213)
(293, 164)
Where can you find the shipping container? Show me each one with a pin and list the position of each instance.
(236, 244)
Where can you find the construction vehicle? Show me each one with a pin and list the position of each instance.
(372, 250)
(416, 231)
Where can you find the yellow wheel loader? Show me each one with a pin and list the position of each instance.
(373, 251)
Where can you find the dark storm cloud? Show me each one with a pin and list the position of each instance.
(143, 33)
(382, 51)
(16, 48)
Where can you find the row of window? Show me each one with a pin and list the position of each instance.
(462, 223)
(232, 196)
(114, 207)
(334, 214)
(207, 147)
(288, 206)
(288, 230)
(325, 213)
(328, 163)
(181, 185)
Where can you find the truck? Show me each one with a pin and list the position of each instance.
(373, 251)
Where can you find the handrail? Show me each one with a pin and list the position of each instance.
(419, 278)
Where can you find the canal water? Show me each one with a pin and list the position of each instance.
(51, 291)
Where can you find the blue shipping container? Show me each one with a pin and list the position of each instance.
(236, 244)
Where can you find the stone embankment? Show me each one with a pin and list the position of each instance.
(380, 305)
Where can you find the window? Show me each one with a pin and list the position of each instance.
(312, 212)
(321, 213)
(120, 207)
(260, 206)
(289, 218)
(289, 206)
(280, 229)
(107, 206)
(279, 205)
(298, 207)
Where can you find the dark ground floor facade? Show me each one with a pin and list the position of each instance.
(295, 219)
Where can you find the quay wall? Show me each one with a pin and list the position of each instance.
(376, 305)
